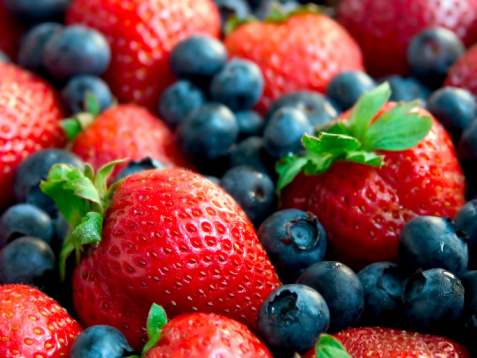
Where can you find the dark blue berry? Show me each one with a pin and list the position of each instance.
(318, 109)
(341, 289)
(466, 222)
(100, 342)
(77, 50)
(345, 88)
(198, 58)
(35, 168)
(4, 58)
(213, 179)
(467, 152)
(37, 11)
(254, 191)
(239, 85)
(382, 284)
(25, 259)
(208, 133)
(292, 317)
(179, 100)
(406, 89)
(30, 55)
(433, 299)
(61, 229)
(251, 152)
(136, 166)
(250, 123)
(230, 9)
(454, 108)
(25, 220)
(432, 242)
(284, 130)
(431, 53)
(469, 316)
(75, 91)
(293, 240)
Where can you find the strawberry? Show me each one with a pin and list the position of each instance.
(412, 170)
(141, 34)
(169, 237)
(10, 32)
(464, 72)
(376, 342)
(384, 29)
(127, 131)
(30, 115)
(33, 325)
(302, 50)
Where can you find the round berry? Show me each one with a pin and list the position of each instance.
(250, 123)
(467, 152)
(251, 152)
(37, 11)
(136, 166)
(75, 91)
(407, 89)
(345, 88)
(466, 222)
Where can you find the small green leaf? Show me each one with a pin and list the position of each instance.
(339, 128)
(91, 104)
(319, 163)
(101, 179)
(330, 143)
(88, 232)
(66, 250)
(288, 168)
(367, 107)
(72, 127)
(89, 171)
(233, 23)
(362, 157)
(398, 129)
(330, 347)
(156, 319)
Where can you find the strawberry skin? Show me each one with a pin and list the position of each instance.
(141, 34)
(363, 208)
(127, 131)
(304, 52)
(376, 342)
(203, 335)
(30, 116)
(173, 238)
(33, 325)
(383, 29)
(464, 72)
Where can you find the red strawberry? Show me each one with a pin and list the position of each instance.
(303, 51)
(171, 237)
(383, 29)
(127, 132)
(33, 325)
(464, 72)
(364, 207)
(10, 32)
(375, 342)
(141, 34)
(30, 115)
(204, 335)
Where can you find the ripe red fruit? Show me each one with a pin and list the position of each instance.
(30, 115)
(33, 325)
(384, 29)
(464, 72)
(10, 32)
(304, 51)
(141, 34)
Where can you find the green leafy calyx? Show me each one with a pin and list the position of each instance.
(82, 198)
(330, 347)
(358, 139)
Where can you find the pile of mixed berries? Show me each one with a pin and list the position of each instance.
(238, 178)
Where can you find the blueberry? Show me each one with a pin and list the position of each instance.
(30, 55)
(293, 240)
(345, 88)
(213, 179)
(179, 100)
(74, 93)
(35, 168)
(4, 58)
(61, 229)
(318, 109)
(382, 284)
(239, 85)
(432, 242)
(467, 152)
(230, 9)
(37, 11)
(251, 152)
(284, 130)
(25, 220)
(208, 133)
(406, 89)
(254, 192)
(341, 289)
(431, 53)
(292, 317)
(466, 222)
(433, 299)
(198, 58)
(469, 316)
(100, 342)
(136, 166)
(250, 123)
(77, 50)
(24, 259)
(454, 108)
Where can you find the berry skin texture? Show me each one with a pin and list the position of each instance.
(313, 43)
(466, 221)
(463, 73)
(345, 88)
(424, 180)
(388, 37)
(75, 91)
(207, 335)
(174, 238)
(30, 113)
(141, 35)
(40, 328)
